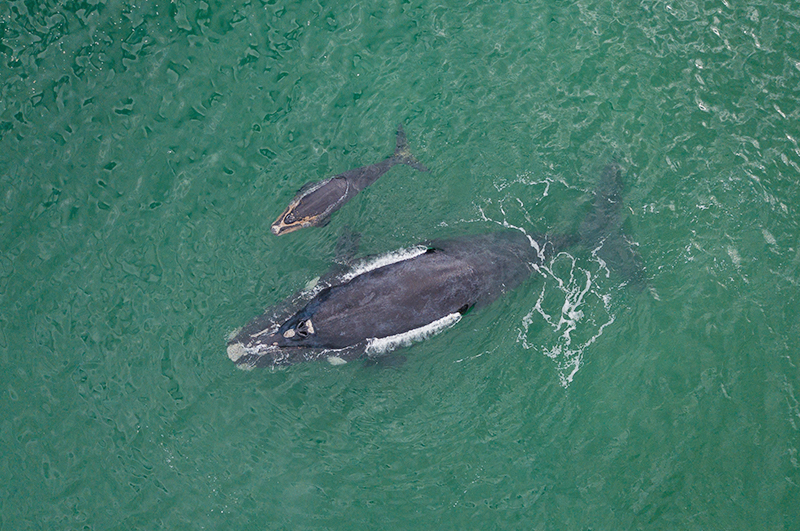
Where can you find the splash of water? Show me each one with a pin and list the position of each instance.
(570, 302)
(577, 317)
(383, 260)
(385, 344)
(317, 284)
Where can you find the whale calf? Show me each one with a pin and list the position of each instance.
(434, 285)
(315, 202)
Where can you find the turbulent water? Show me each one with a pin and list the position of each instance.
(146, 148)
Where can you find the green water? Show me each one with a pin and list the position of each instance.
(145, 149)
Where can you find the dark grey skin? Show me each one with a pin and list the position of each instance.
(451, 277)
(315, 202)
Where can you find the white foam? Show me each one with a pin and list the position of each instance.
(384, 260)
(769, 238)
(385, 344)
(734, 254)
(317, 284)
(579, 312)
(237, 350)
(233, 333)
(534, 244)
(311, 284)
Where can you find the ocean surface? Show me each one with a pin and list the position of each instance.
(146, 148)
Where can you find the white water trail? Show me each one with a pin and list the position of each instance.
(383, 260)
(382, 345)
(570, 302)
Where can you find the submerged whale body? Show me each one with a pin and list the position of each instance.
(437, 284)
(601, 229)
(315, 202)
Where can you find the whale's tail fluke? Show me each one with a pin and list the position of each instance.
(402, 154)
(601, 229)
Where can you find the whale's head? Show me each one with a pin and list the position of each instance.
(266, 342)
(313, 205)
(293, 219)
(280, 338)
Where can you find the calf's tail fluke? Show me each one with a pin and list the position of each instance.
(402, 154)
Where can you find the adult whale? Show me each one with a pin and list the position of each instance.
(427, 288)
(314, 203)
